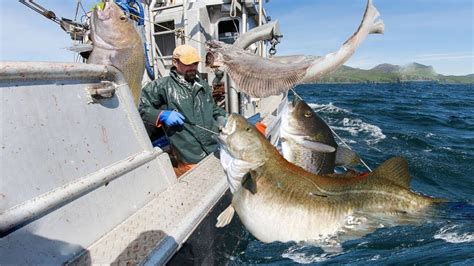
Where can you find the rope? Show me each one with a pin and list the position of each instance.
(345, 144)
(340, 139)
(233, 9)
(77, 9)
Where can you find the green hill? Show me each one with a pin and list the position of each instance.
(385, 73)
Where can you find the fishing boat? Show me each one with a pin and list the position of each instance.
(81, 181)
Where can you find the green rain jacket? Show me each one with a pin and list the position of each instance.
(194, 102)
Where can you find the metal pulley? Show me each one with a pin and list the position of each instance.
(180, 34)
(272, 51)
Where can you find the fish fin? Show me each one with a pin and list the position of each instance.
(249, 183)
(260, 77)
(313, 145)
(394, 169)
(290, 59)
(346, 156)
(80, 48)
(225, 217)
(235, 169)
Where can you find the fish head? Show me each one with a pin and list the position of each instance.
(220, 53)
(242, 140)
(111, 28)
(302, 121)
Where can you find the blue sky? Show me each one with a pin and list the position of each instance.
(431, 32)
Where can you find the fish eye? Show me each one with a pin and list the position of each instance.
(248, 129)
(308, 114)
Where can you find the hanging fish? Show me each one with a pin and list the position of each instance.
(261, 77)
(116, 42)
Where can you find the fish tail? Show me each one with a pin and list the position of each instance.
(373, 14)
(377, 28)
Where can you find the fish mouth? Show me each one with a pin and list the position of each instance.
(212, 55)
(209, 59)
(102, 14)
(229, 129)
(230, 126)
(212, 62)
(109, 11)
(288, 127)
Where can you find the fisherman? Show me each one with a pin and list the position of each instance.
(182, 104)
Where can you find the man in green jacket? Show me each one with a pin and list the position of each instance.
(181, 101)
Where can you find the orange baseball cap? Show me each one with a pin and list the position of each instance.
(186, 54)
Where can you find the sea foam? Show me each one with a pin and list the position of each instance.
(353, 126)
(356, 126)
(299, 255)
(328, 108)
(446, 233)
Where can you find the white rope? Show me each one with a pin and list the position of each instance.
(345, 144)
(233, 9)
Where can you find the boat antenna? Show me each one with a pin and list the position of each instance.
(335, 134)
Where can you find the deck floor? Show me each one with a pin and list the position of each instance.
(155, 232)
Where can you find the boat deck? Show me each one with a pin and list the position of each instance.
(156, 231)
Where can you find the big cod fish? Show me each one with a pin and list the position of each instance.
(279, 201)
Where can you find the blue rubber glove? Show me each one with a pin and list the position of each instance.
(171, 118)
(221, 121)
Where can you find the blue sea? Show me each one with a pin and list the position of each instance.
(432, 126)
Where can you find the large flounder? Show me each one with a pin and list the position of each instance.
(278, 201)
(262, 77)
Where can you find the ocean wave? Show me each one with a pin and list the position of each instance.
(429, 135)
(299, 254)
(355, 126)
(328, 108)
(447, 235)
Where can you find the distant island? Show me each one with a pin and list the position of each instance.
(388, 73)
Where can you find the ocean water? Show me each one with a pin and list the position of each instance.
(429, 124)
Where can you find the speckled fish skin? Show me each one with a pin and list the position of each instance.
(116, 42)
(288, 203)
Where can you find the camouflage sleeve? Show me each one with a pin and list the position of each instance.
(152, 102)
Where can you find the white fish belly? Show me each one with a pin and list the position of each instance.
(269, 221)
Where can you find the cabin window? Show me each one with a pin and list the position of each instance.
(229, 30)
(164, 38)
